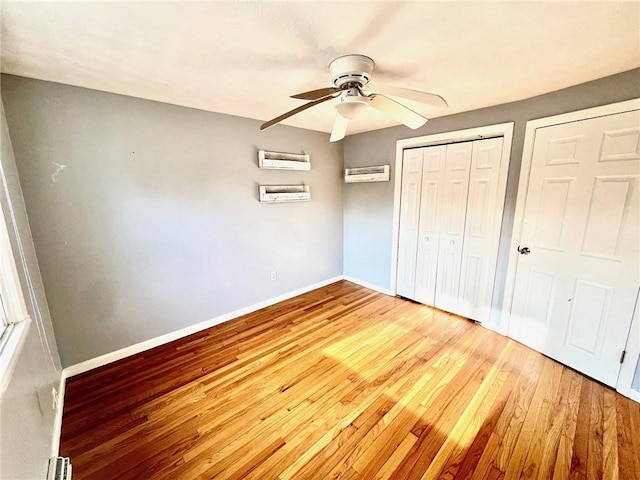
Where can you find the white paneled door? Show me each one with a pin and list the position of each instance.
(452, 213)
(482, 231)
(578, 275)
(433, 176)
(409, 221)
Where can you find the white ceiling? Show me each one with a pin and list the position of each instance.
(247, 58)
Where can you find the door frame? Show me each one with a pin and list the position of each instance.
(504, 130)
(632, 358)
(523, 187)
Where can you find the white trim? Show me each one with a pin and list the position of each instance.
(15, 309)
(631, 359)
(57, 421)
(504, 130)
(578, 115)
(111, 357)
(368, 285)
(397, 189)
(11, 349)
(523, 185)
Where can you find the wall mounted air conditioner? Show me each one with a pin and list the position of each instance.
(283, 161)
(379, 173)
(284, 193)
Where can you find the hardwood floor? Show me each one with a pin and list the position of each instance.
(344, 382)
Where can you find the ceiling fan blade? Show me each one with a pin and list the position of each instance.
(415, 95)
(397, 111)
(339, 128)
(316, 94)
(278, 119)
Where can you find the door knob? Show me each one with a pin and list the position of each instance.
(524, 250)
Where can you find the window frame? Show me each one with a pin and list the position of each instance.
(16, 319)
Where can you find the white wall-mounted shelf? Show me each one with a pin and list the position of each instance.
(284, 193)
(378, 173)
(283, 161)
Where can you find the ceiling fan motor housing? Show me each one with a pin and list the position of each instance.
(351, 69)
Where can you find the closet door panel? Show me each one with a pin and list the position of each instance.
(409, 221)
(433, 174)
(482, 231)
(452, 214)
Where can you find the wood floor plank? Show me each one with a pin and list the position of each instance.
(358, 393)
(544, 467)
(477, 429)
(396, 457)
(595, 460)
(583, 433)
(562, 467)
(530, 437)
(445, 410)
(504, 433)
(634, 422)
(448, 381)
(511, 421)
(448, 458)
(628, 444)
(403, 394)
(346, 383)
(337, 449)
(610, 466)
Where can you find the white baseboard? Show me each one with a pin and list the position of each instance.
(57, 421)
(170, 337)
(370, 286)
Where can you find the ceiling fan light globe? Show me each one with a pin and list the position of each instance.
(350, 110)
(350, 107)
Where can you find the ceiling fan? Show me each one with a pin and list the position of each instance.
(352, 93)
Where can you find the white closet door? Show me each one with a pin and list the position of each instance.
(453, 202)
(575, 292)
(433, 174)
(409, 220)
(482, 231)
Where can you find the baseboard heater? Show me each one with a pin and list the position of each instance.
(284, 193)
(378, 173)
(283, 161)
(59, 469)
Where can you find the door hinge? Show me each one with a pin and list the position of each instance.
(624, 352)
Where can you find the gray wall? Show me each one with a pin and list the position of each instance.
(153, 224)
(368, 207)
(26, 412)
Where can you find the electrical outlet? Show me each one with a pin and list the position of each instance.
(47, 399)
(274, 276)
(54, 398)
